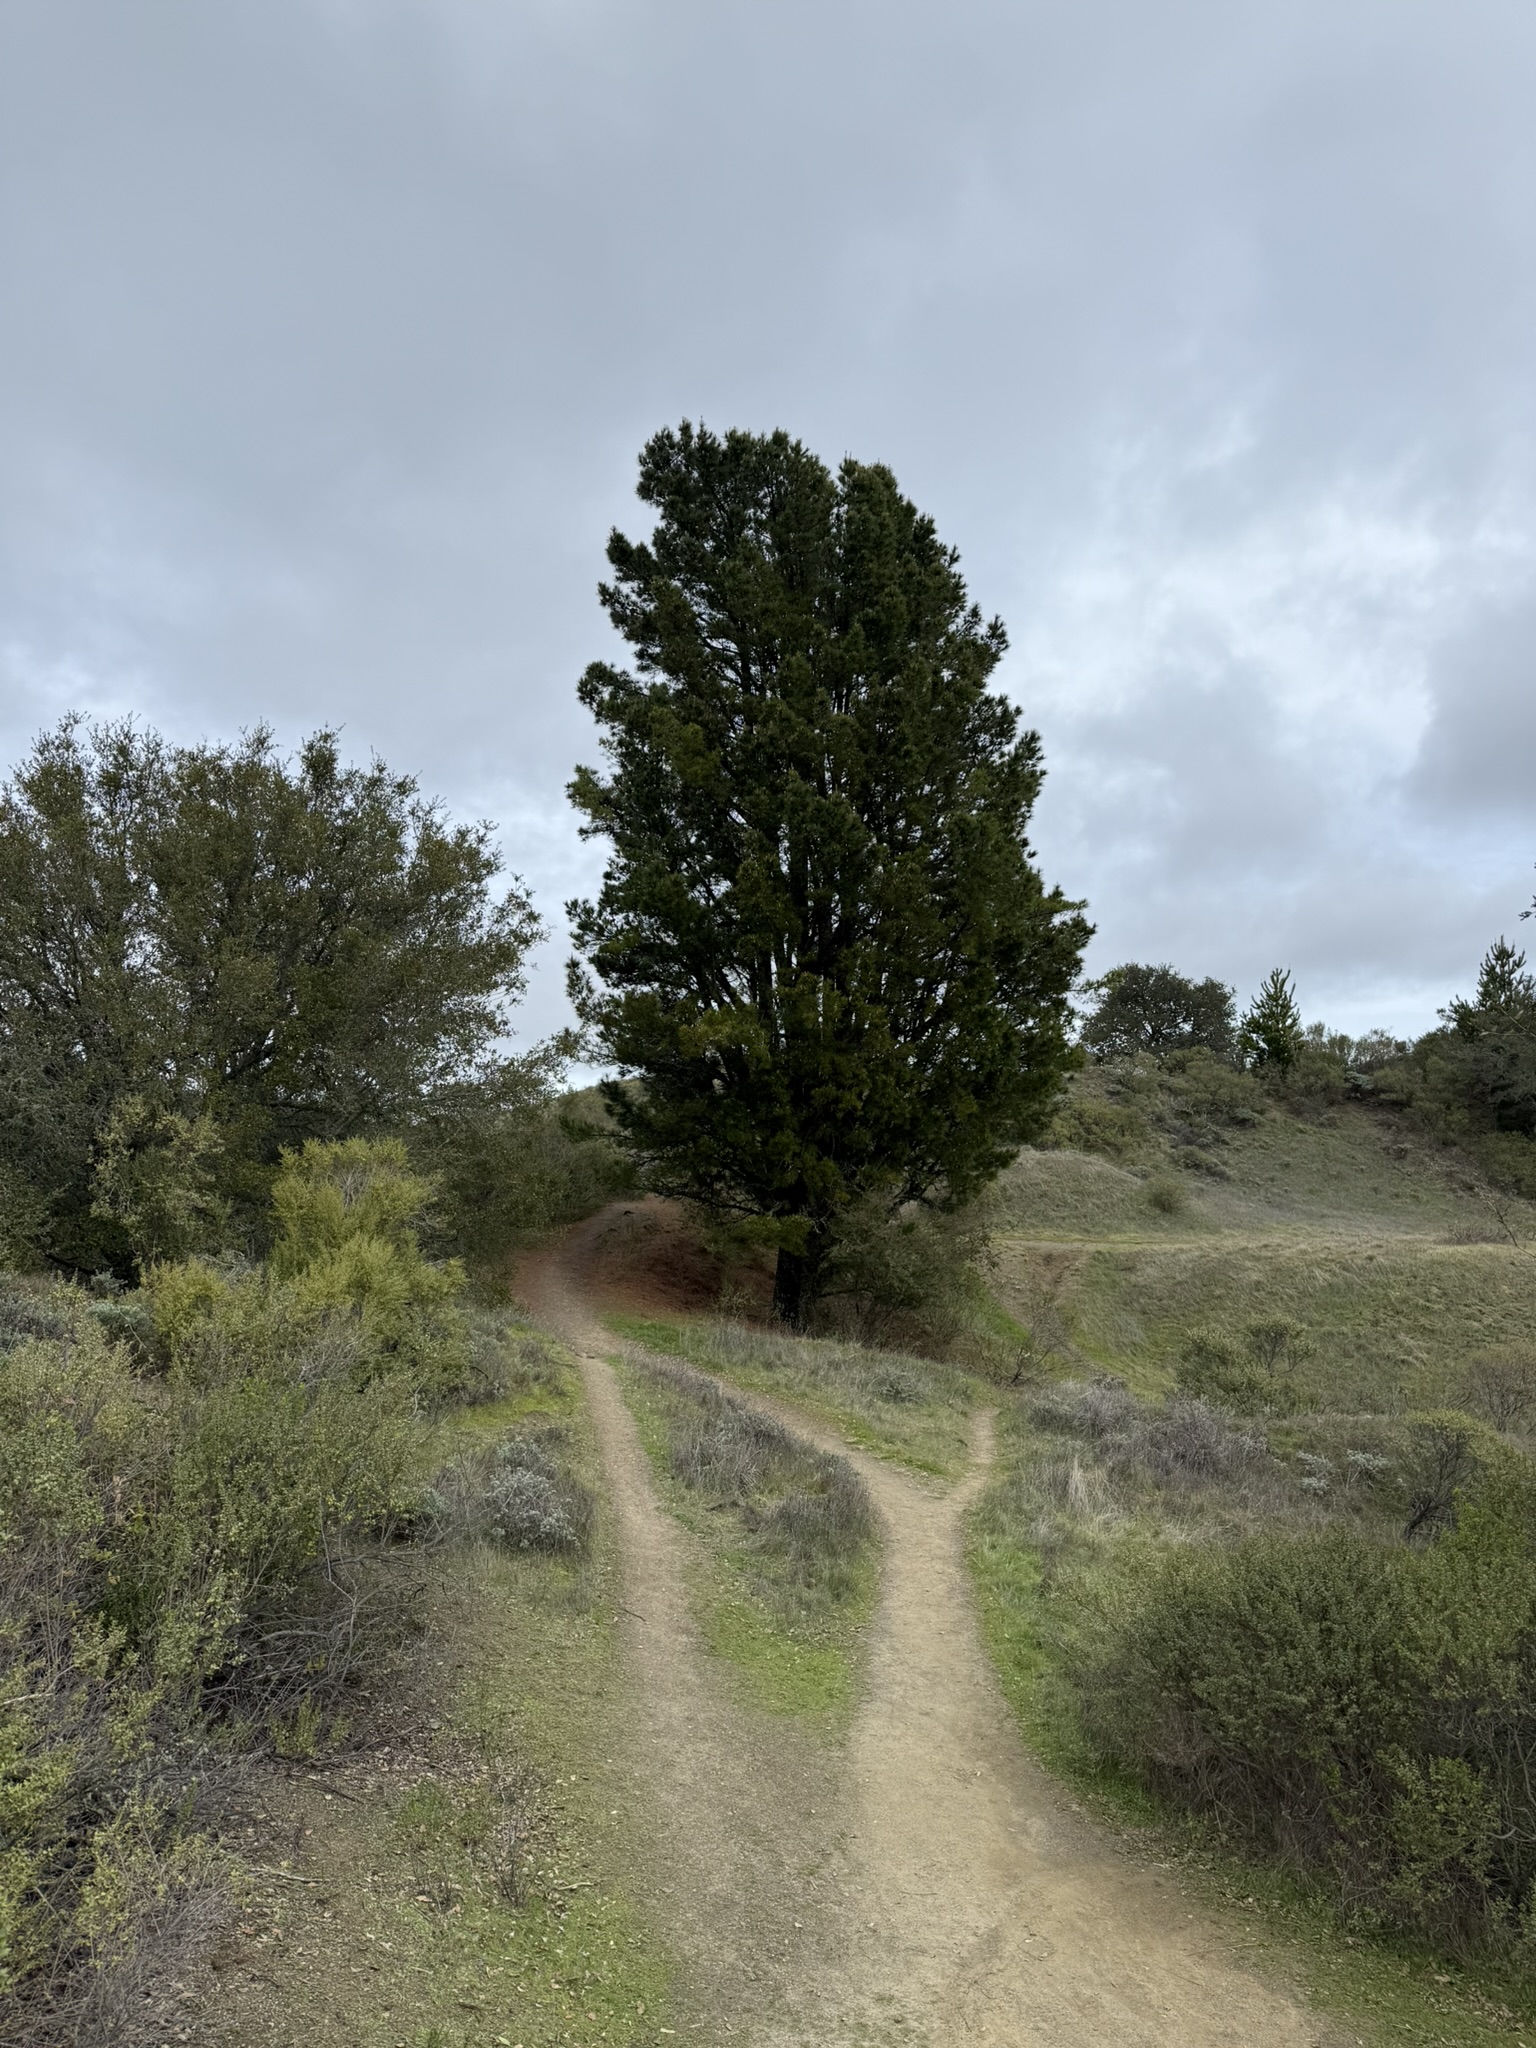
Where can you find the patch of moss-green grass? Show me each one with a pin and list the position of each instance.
(790, 1626)
(543, 1386)
(534, 1715)
(912, 1411)
(471, 1877)
(1390, 1322)
(1033, 1582)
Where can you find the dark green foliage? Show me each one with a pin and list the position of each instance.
(209, 953)
(511, 1159)
(1480, 1070)
(912, 1280)
(822, 941)
(1270, 1036)
(1157, 1010)
(1364, 1711)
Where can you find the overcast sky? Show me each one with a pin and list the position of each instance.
(330, 329)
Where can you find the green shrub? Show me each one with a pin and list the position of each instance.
(1250, 1369)
(909, 1280)
(507, 1171)
(1207, 1094)
(188, 1561)
(1359, 1709)
(1088, 1123)
(1447, 1453)
(347, 1279)
(1500, 1385)
(1166, 1195)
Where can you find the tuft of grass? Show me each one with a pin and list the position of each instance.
(786, 1534)
(912, 1411)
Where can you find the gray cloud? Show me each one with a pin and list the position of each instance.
(1477, 764)
(332, 330)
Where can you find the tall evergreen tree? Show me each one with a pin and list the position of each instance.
(1482, 1068)
(1271, 1033)
(822, 943)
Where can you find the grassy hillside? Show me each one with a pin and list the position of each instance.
(1394, 1255)
(1395, 1263)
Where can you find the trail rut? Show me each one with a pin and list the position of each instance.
(924, 1883)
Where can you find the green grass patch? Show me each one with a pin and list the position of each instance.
(479, 1884)
(785, 1580)
(912, 1411)
(1391, 1322)
(571, 1959)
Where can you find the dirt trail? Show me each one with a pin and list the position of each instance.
(928, 1885)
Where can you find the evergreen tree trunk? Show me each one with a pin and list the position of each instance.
(797, 1280)
(789, 1287)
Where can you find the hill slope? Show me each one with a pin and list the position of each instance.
(1395, 1256)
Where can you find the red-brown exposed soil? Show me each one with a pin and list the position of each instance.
(646, 1257)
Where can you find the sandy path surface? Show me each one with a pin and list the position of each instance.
(926, 1884)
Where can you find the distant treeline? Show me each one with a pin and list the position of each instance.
(1472, 1080)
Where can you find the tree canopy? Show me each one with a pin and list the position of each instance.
(821, 941)
(1157, 1010)
(1271, 1033)
(1483, 1062)
(215, 936)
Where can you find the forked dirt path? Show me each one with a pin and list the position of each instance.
(927, 1883)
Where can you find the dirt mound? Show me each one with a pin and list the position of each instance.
(646, 1257)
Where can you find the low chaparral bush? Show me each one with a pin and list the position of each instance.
(1363, 1709)
(204, 1491)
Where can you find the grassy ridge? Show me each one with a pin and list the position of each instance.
(1393, 1321)
(1392, 1252)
